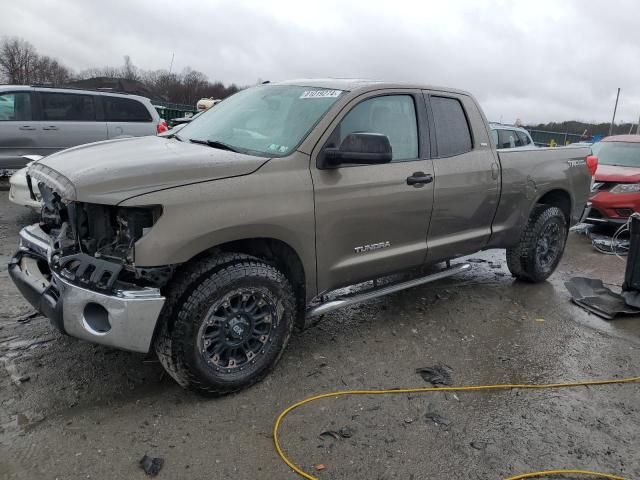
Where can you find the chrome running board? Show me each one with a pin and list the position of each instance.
(332, 305)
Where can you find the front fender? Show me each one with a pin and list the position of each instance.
(274, 202)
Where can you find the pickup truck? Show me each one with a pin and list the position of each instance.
(210, 245)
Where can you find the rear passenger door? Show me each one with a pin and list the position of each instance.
(19, 133)
(127, 117)
(69, 119)
(467, 177)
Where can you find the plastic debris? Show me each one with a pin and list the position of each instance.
(319, 467)
(436, 375)
(344, 432)
(437, 419)
(151, 465)
(26, 318)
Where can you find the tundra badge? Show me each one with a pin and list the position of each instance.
(372, 246)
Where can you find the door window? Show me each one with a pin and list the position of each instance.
(391, 115)
(509, 139)
(524, 138)
(15, 106)
(453, 135)
(117, 109)
(67, 107)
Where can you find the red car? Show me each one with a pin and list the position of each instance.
(616, 190)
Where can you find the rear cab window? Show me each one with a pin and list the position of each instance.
(452, 131)
(15, 107)
(67, 107)
(117, 109)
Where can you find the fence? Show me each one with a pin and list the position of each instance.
(543, 138)
(167, 110)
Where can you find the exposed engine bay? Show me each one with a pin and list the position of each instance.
(95, 244)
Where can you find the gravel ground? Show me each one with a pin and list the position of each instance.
(71, 410)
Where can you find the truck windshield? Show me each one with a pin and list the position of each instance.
(624, 154)
(268, 120)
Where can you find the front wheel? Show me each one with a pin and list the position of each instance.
(230, 331)
(541, 245)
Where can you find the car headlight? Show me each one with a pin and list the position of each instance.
(626, 188)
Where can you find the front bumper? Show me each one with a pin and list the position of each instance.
(125, 319)
(613, 208)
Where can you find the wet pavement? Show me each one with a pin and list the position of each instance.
(72, 410)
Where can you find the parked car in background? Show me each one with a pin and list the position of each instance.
(510, 136)
(43, 120)
(616, 190)
(174, 122)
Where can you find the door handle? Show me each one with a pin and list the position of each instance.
(26, 127)
(418, 179)
(50, 127)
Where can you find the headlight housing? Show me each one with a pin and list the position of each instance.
(626, 188)
(111, 232)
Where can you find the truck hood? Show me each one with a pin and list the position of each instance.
(617, 174)
(115, 170)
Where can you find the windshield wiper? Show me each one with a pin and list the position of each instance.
(213, 144)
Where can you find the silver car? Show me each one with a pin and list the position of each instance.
(43, 120)
(510, 136)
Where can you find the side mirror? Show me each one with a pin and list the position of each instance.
(359, 148)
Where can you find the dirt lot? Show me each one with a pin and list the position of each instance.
(71, 410)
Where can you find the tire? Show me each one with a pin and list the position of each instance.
(226, 329)
(541, 245)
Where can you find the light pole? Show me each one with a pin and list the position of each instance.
(614, 113)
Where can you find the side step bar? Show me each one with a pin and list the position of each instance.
(332, 305)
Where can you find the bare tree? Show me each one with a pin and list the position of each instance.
(49, 70)
(21, 64)
(129, 70)
(17, 60)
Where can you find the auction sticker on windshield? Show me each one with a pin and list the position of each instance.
(321, 93)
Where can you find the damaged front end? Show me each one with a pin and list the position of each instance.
(77, 266)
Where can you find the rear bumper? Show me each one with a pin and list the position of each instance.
(125, 319)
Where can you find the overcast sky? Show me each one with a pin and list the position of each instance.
(537, 61)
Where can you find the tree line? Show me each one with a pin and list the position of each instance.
(21, 64)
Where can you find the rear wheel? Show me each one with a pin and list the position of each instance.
(541, 245)
(231, 329)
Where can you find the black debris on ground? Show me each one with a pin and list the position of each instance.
(436, 375)
(26, 318)
(151, 465)
(437, 419)
(344, 432)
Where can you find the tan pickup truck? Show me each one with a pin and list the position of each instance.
(212, 244)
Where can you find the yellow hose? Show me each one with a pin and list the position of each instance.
(342, 393)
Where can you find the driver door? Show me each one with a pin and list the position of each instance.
(369, 220)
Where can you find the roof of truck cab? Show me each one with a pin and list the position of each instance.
(355, 84)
